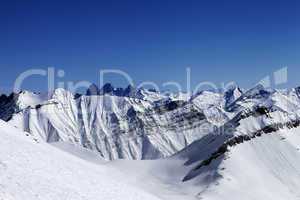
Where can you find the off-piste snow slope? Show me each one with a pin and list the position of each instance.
(31, 170)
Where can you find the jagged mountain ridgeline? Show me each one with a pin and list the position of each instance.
(116, 123)
(135, 123)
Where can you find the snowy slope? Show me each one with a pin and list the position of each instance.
(256, 157)
(32, 169)
(266, 167)
(263, 168)
(35, 170)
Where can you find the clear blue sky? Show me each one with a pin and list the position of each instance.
(154, 40)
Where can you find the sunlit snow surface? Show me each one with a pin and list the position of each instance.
(64, 153)
(31, 170)
(264, 168)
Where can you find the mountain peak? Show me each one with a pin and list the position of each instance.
(130, 91)
(232, 94)
(257, 91)
(107, 88)
(92, 90)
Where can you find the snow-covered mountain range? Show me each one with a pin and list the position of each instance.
(210, 145)
(132, 124)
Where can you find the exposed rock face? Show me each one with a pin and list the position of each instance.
(8, 106)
